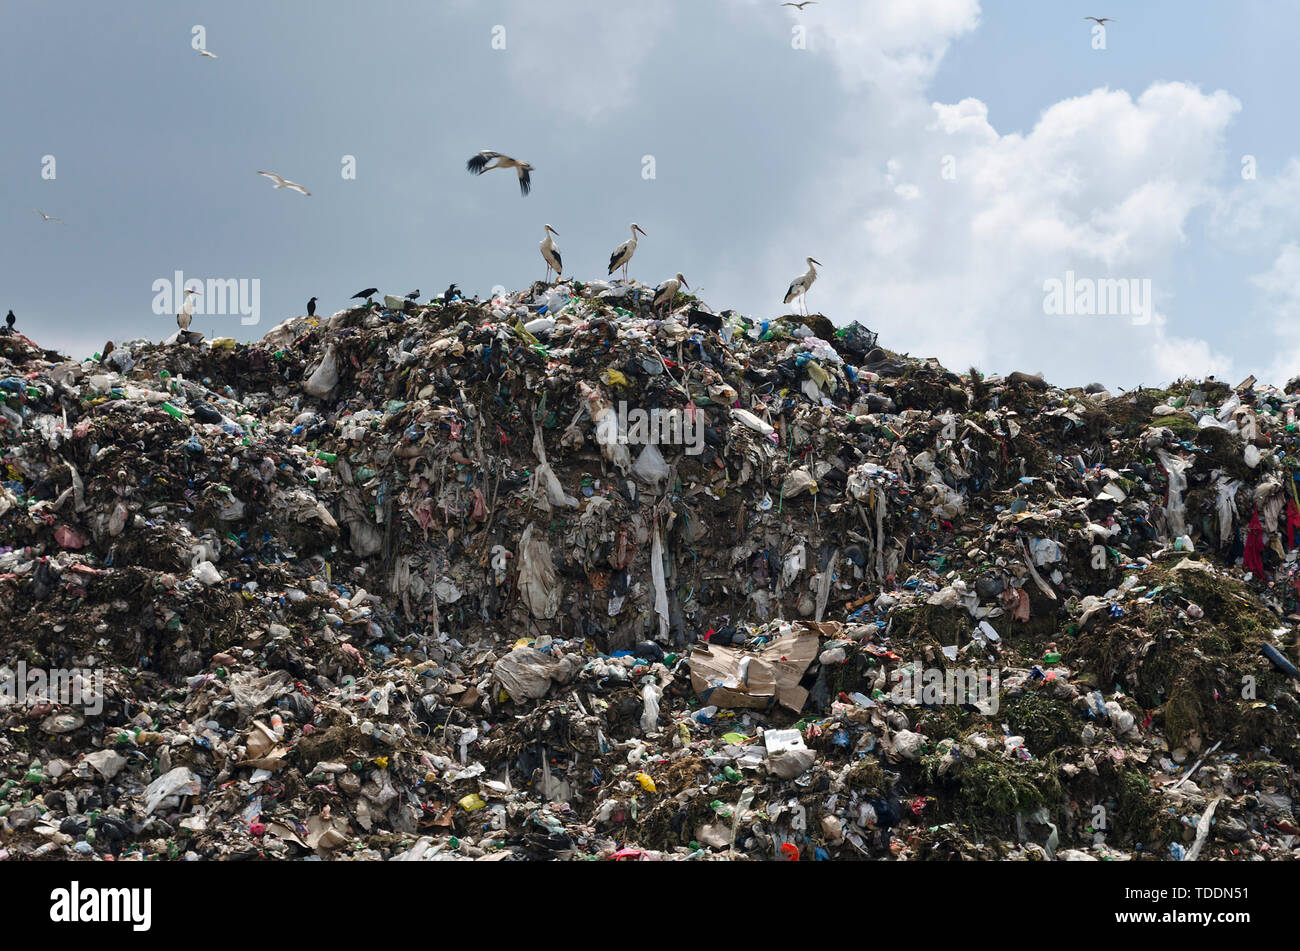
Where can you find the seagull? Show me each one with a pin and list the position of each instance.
(1101, 21)
(623, 253)
(186, 315)
(666, 291)
(799, 286)
(9, 320)
(551, 254)
(479, 164)
(284, 183)
(368, 293)
(800, 5)
(45, 217)
(311, 307)
(208, 55)
(414, 295)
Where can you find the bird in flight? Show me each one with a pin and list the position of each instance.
(368, 293)
(45, 217)
(480, 164)
(284, 183)
(1101, 21)
(208, 55)
(800, 5)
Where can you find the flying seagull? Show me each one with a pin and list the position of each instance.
(799, 286)
(551, 254)
(208, 55)
(311, 307)
(666, 291)
(186, 315)
(368, 293)
(623, 253)
(480, 164)
(1101, 21)
(45, 217)
(284, 183)
(800, 5)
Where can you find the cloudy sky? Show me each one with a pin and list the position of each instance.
(945, 160)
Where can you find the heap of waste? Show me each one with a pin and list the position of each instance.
(560, 575)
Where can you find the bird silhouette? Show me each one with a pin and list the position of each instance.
(9, 320)
(368, 293)
(311, 307)
(1101, 21)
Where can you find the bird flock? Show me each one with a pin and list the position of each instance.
(487, 160)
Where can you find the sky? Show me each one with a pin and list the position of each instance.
(959, 168)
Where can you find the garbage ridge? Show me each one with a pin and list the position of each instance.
(565, 576)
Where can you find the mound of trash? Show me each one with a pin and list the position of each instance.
(562, 575)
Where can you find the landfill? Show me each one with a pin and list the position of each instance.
(562, 575)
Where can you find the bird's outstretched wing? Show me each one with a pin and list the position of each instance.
(208, 55)
(297, 188)
(279, 182)
(476, 164)
(525, 181)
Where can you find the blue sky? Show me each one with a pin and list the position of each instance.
(1122, 163)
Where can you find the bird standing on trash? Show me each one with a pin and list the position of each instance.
(311, 307)
(451, 292)
(9, 320)
(186, 315)
(480, 164)
(365, 295)
(799, 286)
(666, 291)
(414, 295)
(551, 254)
(623, 253)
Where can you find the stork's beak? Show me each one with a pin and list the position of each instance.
(639, 228)
(684, 284)
(552, 231)
(815, 261)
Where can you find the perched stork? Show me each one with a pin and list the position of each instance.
(666, 291)
(622, 255)
(551, 254)
(480, 164)
(285, 183)
(186, 315)
(799, 286)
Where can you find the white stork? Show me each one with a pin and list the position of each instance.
(623, 253)
(551, 254)
(480, 164)
(667, 291)
(799, 286)
(186, 315)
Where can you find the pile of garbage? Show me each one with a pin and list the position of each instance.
(562, 575)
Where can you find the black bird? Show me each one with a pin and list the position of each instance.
(368, 293)
(311, 307)
(9, 319)
(449, 293)
(414, 295)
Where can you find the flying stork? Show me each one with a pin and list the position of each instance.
(623, 253)
(551, 254)
(480, 164)
(799, 286)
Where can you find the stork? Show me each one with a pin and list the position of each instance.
(551, 254)
(666, 291)
(623, 253)
(480, 164)
(799, 286)
(186, 314)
